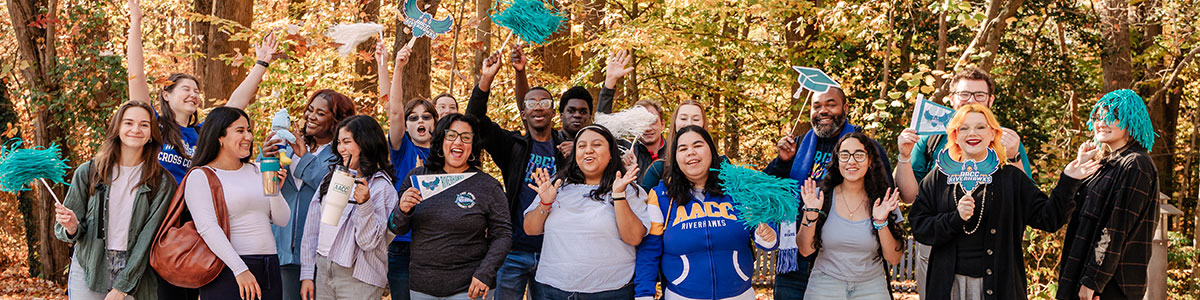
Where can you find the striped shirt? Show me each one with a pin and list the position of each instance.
(1108, 239)
(361, 239)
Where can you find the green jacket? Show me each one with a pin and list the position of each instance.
(150, 206)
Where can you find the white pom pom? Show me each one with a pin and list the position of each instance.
(350, 35)
(627, 124)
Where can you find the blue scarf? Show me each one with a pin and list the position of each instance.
(801, 167)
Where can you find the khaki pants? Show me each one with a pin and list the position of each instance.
(338, 282)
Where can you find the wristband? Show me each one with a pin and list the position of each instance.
(1014, 160)
(878, 226)
(903, 161)
(544, 203)
(263, 63)
(618, 196)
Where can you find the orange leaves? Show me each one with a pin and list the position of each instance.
(163, 82)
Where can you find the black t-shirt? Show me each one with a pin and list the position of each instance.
(971, 249)
(821, 158)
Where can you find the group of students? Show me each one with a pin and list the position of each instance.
(580, 214)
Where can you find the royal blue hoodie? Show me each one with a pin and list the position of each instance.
(701, 249)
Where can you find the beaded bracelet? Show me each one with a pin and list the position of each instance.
(879, 226)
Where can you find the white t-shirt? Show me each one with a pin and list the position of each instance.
(250, 214)
(582, 250)
(120, 205)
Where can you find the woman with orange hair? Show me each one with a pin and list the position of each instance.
(974, 209)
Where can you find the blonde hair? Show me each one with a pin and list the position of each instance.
(960, 117)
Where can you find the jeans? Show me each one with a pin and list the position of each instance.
(823, 286)
(415, 295)
(552, 293)
(291, 281)
(516, 275)
(77, 287)
(398, 256)
(793, 285)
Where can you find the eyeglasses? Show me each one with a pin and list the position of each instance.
(465, 138)
(968, 96)
(859, 156)
(424, 117)
(538, 104)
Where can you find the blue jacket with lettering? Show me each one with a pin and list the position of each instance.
(700, 247)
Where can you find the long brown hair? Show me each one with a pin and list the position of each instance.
(106, 160)
(166, 118)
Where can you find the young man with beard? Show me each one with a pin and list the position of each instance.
(917, 153)
(803, 158)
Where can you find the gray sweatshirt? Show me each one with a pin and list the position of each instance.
(460, 233)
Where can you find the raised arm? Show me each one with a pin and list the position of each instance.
(520, 81)
(617, 67)
(243, 96)
(396, 100)
(906, 181)
(139, 89)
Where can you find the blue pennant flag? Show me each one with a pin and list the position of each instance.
(929, 117)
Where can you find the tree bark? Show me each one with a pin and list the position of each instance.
(483, 36)
(217, 78)
(35, 45)
(798, 37)
(416, 73)
(1115, 56)
(592, 11)
(364, 68)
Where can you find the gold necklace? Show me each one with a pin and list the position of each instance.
(847, 204)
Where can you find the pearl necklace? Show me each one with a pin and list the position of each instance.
(982, 206)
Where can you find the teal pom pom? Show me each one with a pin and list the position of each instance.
(530, 20)
(19, 167)
(1125, 105)
(758, 197)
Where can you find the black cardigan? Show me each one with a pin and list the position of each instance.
(1013, 202)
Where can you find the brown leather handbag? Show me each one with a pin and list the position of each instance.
(179, 255)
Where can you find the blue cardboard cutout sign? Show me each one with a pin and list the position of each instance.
(422, 23)
(970, 173)
(813, 79)
(929, 117)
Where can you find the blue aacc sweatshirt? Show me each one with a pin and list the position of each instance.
(700, 247)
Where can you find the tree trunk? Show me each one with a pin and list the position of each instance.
(592, 11)
(483, 36)
(1115, 57)
(798, 38)
(732, 98)
(416, 73)
(217, 78)
(367, 69)
(1164, 111)
(35, 45)
(557, 57)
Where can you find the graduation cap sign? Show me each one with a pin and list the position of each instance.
(430, 185)
(423, 24)
(814, 80)
(929, 117)
(970, 173)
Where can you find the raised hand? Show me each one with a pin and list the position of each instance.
(410, 198)
(517, 57)
(966, 207)
(887, 204)
(266, 50)
(630, 161)
(381, 55)
(135, 11)
(811, 194)
(491, 65)
(65, 217)
(402, 57)
(786, 148)
(566, 148)
(1080, 170)
(616, 68)
(624, 179)
(1087, 150)
(541, 184)
(1011, 142)
(905, 142)
(766, 232)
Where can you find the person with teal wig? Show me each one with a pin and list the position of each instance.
(1107, 244)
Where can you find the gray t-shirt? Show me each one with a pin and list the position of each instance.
(849, 250)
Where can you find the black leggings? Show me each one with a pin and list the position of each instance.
(266, 271)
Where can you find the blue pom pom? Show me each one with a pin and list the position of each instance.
(19, 167)
(1131, 111)
(530, 20)
(758, 197)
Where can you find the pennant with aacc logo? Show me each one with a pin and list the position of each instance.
(432, 184)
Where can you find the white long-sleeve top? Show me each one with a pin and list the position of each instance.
(250, 214)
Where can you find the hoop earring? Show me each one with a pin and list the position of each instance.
(439, 154)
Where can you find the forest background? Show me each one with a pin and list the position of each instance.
(63, 73)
